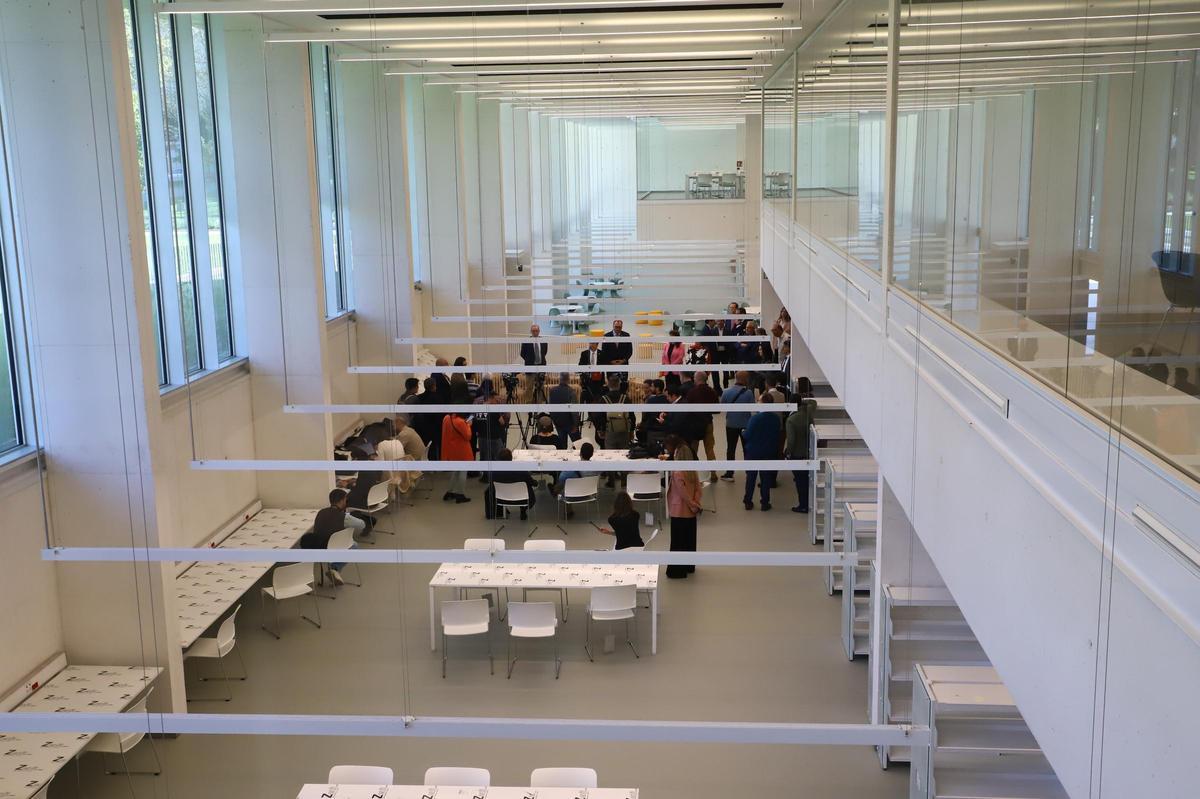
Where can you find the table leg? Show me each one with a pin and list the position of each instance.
(432, 619)
(654, 622)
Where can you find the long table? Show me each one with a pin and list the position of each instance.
(326, 791)
(29, 760)
(206, 590)
(568, 455)
(544, 575)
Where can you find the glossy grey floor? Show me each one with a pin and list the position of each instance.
(735, 644)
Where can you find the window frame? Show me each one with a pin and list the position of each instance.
(13, 329)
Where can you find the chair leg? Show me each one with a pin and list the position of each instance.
(557, 659)
(275, 602)
(587, 638)
(316, 605)
(241, 663)
(628, 640)
(443, 655)
(509, 647)
(491, 660)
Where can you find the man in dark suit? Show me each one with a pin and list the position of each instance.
(534, 354)
(592, 382)
(566, 423)
(726, 353)
(618, 351)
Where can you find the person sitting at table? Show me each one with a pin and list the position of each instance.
(546, 434)
(490, 511)
(405, 446)
(625, 522)
(586, 450)
(378, 431)
(360, 486)
(327, 522)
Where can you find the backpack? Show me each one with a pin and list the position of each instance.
(618, 421)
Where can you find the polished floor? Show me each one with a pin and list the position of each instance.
(735, 644)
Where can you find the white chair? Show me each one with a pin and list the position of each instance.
(44, 793)
(548, 545)
(344, 539)
(564, 778)
(377, 502)
(511, 496)
(646, 592)
(485, 545)
(543, 448)
(218, 647)
(289, 582)
(645, 488)
(578, 443)
(360, 775)
(531, 620)
(612, 603)
(466, 617)
(121, 743)
(579, 491)
(458, 776)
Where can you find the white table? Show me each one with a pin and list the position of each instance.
(29, 760)
(568, 455)
(324, 791)
(544, 575)
(206, 590)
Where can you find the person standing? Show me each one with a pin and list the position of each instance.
(735, 421)
(566, 423)
(456, 446)
(673, 352)
(704, 394)
(534, 353)
(684, 504)
(617, 351)
(592, 382)
(796, 443)
(760, 441)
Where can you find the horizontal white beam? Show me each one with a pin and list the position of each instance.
(528, 729)
(598, 467)
(369, 7)
(404, 557)
(533, 407)
(567, 368)
(572, 317)
(576, 339)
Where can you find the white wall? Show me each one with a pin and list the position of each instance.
(691, 219)
(29, 591)
(666, 154)
(215, 417)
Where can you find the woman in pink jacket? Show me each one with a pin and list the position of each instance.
(684, 503)
(673, 352)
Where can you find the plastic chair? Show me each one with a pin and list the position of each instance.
(563, 778)
(485, 545)
(549, 545)
(644, 488)
(44, 793)
(466, 617)
(218, 647)
(377, 501)
(360, 775)
(458, 776)
(510, 496)
(727, 184)
(344, 539)
(612, 603)
(644, 592)
(289, 582)
(121, 743)
(580, 491)
(531, 620)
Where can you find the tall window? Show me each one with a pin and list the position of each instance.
(179, 187)
(213, 205)
(177, 123)
(325, 137)
(139, 127)
(10, 408)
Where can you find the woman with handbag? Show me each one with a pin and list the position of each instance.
(684, 505)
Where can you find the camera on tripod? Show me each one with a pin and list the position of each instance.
(511, 381)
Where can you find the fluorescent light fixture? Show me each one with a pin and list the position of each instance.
(599, 69)
(534, 58)
(1076, 18)
(361, 7)
(553, 36)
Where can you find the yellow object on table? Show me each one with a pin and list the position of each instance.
(596, 332)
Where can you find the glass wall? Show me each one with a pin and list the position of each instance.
(10, 411)
(779, 119)
(684, 158)
(1046, 200)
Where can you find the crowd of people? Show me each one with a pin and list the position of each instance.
(475, 436)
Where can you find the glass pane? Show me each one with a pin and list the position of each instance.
(325, 140)
(10, 434)
(139, 128)
(214, 211)
(181, 225)
(685, 158)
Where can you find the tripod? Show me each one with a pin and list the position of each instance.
(539, 398)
